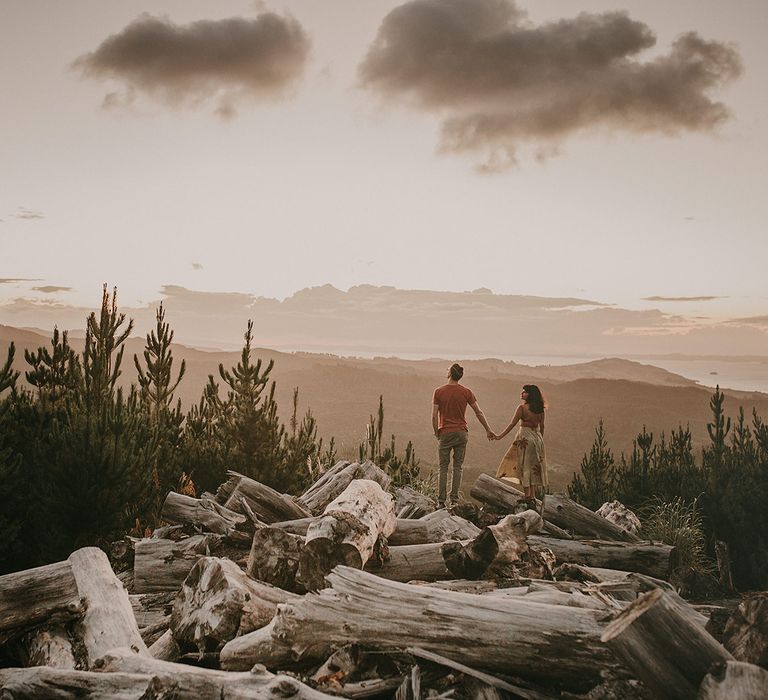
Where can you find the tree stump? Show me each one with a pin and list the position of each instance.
(274, 558)
(746, 632)
(735, 680)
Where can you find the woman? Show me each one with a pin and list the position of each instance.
(526, 462)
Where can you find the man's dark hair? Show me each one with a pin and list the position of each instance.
(457, 371)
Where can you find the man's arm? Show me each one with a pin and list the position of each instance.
(434, 420)
(481, 417)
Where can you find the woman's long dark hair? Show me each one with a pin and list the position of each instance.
(535, 400)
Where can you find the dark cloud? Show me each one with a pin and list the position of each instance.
(197, 266)
(51, 289)
(499, 81)
(657, 298)
(228, 61)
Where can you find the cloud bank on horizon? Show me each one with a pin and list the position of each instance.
(390, 321)
(498, 81)
(228, 61)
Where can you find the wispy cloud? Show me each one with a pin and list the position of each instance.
(228, 61)
(51, 289)
(197, 266)
(498, 81)
(702, 298)
(14, 280)
(28, 214)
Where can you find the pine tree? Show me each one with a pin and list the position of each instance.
(157, 386)
(595, 485)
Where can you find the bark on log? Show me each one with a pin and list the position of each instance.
(508, 636)
(650, 559)
(218, 601)
(108, 620)
(47, 645)
(558, 509)
(151, 610)
(203, 513)
(274, 558)
(267, 504)
(32, 596)
(347, 533)
(162, 565)
(320, 495)
(735, 680)
(495, 547)
(660, 640)
(746, 632)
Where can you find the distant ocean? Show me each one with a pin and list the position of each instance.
(740, 374)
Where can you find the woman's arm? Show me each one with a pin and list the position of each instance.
(518, 415)
(541, 425)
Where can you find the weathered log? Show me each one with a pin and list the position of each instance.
(165, 647)
(659, 638)
(203, 513)
(746, 632)
(460, 585)
(125, 676)
(218, 601)
(414, 562)
(47, 645)
(46, 683)
(510, 636)
(439, 529)
(410, 688)
(735, 680)
(558, 509)
(319, 496)
(347, 533)
(267, 504)
(108, 620)
(162, 565)
(325, 477)
(32, 596)
(495, 547)
(410, 503)
(298, 526)
(651, 559)
(274, 558)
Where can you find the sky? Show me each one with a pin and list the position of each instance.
(611, 152)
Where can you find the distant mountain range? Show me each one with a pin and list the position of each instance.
(343, 392)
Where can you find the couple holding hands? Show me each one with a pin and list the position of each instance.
(524, 463)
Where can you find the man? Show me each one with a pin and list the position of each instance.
(449, 403)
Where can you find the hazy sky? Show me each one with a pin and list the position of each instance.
(262, 148)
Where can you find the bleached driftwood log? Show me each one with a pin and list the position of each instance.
(510, 636)
(32, 596)
(495, 547)
(125, 676)
(321, 482)
(558, 509)
(108, 620)
(152, 612)
(201, 512)
(659, 638)
(162, 565)
(274, 558)
(410, 503)
(347, 533)
(165, 647)
(433, 529)
(735, 680)
(414, 562)
(621, 516)
(218, 601)
(746, 632)
(650, 559)
(331, 485)
(267, 504)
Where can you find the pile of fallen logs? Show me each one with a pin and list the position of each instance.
(349, 590)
